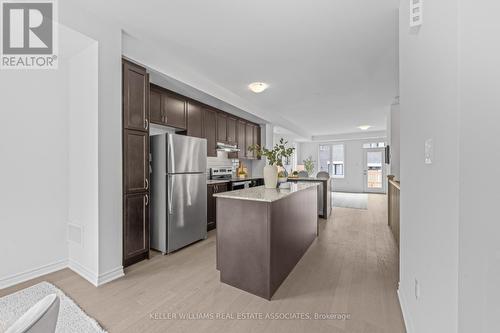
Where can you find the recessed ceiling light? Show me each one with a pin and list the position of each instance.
(364, 127)
(258, 87)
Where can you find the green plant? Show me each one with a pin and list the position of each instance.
(276, 155)
(309, 165)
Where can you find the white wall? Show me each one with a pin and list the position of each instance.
(33, 173)
(64, 157)
(479, 265)
(108, 36)
(83, 190)
(353, 180)
(429, 193)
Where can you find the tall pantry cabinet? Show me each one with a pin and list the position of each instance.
(135, 135)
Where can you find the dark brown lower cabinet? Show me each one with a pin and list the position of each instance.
(211, 203)
(136, 228)
(211, 208)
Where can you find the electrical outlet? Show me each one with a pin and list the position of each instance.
(417, 289)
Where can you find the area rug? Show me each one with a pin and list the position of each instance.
(71, 317)
(350, 200)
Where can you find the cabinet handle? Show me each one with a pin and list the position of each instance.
(146, 124)
(147, 184)
(147, 200)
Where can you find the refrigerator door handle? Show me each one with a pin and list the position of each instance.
(170, 193)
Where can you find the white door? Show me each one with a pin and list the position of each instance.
(374, 170)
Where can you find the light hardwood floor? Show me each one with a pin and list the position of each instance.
(351, 268)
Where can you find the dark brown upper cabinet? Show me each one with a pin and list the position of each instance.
(241, 139)
(256, 137)
(155, 112)
(198, 120)
(249, 140)
(174, 110)
(136, 230)
(135, 97)
(231, 130)
(195, 120)
(232, 136)
(210, 131)
(135, 157)
(221, 127)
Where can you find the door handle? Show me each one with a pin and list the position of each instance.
(146, 124)
(147, 183)
(170, 193)
(147, 200)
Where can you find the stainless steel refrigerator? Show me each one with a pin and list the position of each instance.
(178, 191)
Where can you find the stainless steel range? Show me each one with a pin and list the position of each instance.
(221, 173)
(226, 173)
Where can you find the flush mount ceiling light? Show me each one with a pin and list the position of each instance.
(364, 127)
(258, 87)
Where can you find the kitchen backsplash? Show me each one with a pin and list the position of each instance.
(223, 161)
(218, 162)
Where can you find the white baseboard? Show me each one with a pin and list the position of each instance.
(32, 273)
(87, 274)
(110, 275)
(406, 316)
(84, 272)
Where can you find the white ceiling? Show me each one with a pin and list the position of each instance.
(331, 64)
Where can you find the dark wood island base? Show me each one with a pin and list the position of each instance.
(263, 233)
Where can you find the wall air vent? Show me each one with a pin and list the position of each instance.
(416, 13)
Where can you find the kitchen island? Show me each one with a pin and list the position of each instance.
(262, 234)
(324, 194)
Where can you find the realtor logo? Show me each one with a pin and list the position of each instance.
(28, 35)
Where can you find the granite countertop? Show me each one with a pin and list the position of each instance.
(309, 179)
(260, 193)
(236, 179)
(219, 181)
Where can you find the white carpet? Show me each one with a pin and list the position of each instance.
(71, 318)
(350, 200)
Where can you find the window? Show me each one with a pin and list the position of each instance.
(337, 161)
(374, 145)
(331, 159)
(324, 157)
